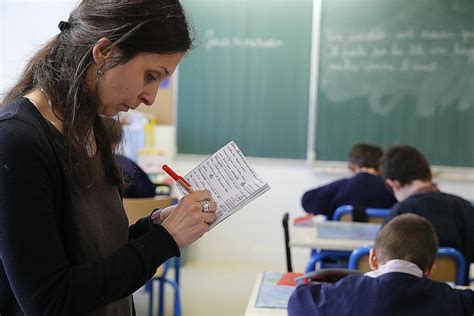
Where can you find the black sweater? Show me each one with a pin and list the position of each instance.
(38, 275)
(451, 216)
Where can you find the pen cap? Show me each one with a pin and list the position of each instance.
(174, 175)
(170, 172)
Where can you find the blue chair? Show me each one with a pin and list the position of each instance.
(162, 280)
(359, 259)
(374, 215)
(450, 264)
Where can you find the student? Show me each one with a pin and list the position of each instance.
(408, 173)
(402, 258)
(65, 244)
(365, 188)
(136, 182)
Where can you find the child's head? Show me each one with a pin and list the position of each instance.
(408, 237)
(404, 164)
(364, 156)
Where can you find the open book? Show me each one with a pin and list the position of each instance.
(229, 177)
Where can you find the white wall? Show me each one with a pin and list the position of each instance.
(25, 25)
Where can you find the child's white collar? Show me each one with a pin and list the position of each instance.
(396, 265)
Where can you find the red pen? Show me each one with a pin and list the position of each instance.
(179, 179)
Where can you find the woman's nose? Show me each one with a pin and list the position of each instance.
(148, 95)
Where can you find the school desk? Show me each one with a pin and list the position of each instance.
(324, 237)
(333, 235)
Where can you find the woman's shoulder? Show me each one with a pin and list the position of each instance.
(19, 113)
(21, 124)
(20, 109)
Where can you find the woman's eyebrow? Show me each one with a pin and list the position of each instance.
(164, 68)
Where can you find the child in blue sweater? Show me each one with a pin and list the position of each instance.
(365, 188)
(401, 260)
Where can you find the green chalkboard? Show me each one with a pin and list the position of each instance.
(397, 71)
(248, 78)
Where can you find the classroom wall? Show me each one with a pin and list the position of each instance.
(25, 25)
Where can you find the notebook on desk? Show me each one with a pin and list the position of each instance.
(272, 295)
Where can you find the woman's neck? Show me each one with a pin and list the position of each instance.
(41, 102)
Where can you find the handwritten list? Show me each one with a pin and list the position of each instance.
(229, 177)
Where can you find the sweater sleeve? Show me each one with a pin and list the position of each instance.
(31, 250)
(318, 201)
(305, 300)
(142, 226)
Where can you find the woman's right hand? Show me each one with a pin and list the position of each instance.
(188, 222)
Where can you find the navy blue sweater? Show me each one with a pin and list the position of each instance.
(390, 294)
(363, 189)
(137, 183)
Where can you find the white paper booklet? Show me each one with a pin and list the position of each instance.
(229, 177)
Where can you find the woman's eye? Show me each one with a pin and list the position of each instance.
(152, 77)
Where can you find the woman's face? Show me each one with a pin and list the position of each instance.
(137, 81)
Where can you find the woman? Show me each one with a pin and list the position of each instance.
(65, 244)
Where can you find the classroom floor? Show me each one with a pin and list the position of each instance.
(208, 290)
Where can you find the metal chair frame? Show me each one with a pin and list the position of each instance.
(370, 211)
(162, 280)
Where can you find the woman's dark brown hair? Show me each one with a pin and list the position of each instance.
(135, 26)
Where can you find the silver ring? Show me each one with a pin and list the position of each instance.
(206, 206)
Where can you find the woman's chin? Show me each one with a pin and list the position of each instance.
(113, 112)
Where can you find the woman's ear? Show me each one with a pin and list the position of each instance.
(373, 262)
(102, 50)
